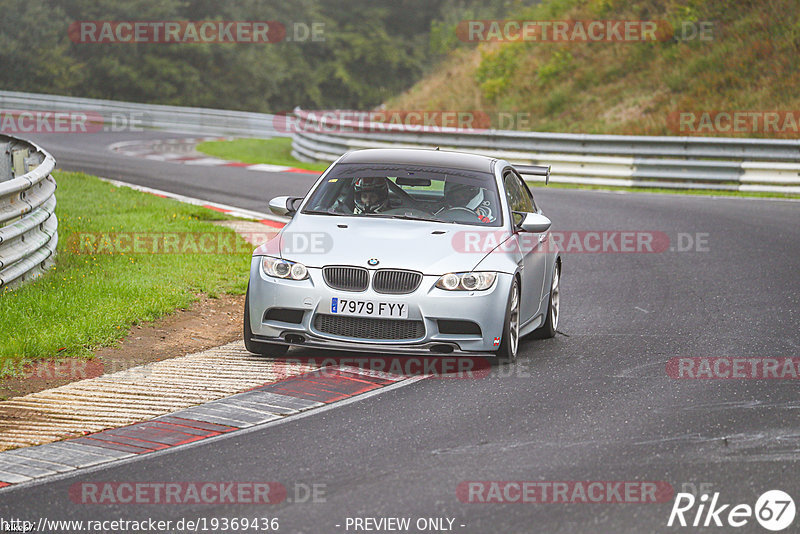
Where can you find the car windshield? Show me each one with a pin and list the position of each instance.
(402, 191)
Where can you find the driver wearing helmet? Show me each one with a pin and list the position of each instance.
(468, 197)
(371, 195)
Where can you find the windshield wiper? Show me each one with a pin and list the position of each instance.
(322, 212)
(414, 218)
(411, 218)
(376, 215)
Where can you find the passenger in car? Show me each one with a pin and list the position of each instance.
(469, 197)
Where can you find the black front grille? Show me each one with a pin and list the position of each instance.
(396, 282)
(346, 278)
(368, 328)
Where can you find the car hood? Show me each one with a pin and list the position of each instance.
(428, 247)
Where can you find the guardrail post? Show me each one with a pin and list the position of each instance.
(5, 161)
(18, 157)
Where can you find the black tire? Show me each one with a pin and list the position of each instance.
(509, 344)
(548, 329)
(256, 347)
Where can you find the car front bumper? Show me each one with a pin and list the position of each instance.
(427, 304)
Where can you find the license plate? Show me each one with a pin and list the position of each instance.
(369, 308)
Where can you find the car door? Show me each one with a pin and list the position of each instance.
(531, 246)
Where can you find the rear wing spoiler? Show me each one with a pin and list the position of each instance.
(535, 170)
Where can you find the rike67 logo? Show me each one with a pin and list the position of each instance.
(774, 510)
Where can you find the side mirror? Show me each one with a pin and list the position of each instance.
(284, 206)
(535, 223)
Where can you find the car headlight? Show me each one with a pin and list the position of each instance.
(279, 268)
(466, 281)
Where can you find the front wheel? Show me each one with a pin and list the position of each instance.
(548, 329)
(256, 347)
(507, 353)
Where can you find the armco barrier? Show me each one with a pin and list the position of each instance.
(28, 225)
(201, 121)
(617, 160)
(737, 164)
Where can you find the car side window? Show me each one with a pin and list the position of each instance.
(530, 195)
(519, 199)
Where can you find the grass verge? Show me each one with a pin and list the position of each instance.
(93, 295)
(275, 151)
(644, 87)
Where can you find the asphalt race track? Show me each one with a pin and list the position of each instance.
(230, 185)
(593, 404)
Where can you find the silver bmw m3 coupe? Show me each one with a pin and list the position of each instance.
(407, 251)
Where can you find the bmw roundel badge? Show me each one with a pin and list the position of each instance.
(373, 261)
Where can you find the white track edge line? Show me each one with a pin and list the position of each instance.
(230, 210)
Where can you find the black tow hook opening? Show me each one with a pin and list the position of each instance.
(295, 339)
(441, 348)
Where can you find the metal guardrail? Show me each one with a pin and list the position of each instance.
(201, 121)
(736, 164)
(28, 224)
